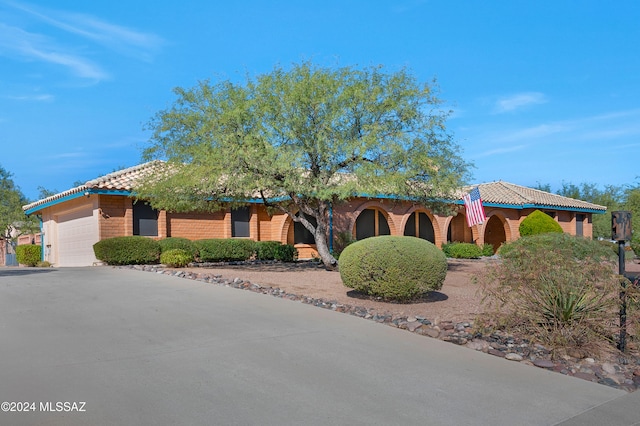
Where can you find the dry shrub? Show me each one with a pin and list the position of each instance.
(556, 289)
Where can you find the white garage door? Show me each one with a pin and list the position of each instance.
(77, 233)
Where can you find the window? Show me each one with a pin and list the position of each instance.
(579, 225)
(145, 220)
(240, 222)
(371, 223)
(301, 235)
(423, 228)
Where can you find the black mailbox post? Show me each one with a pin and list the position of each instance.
(621, 232)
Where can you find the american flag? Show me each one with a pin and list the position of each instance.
(473, 206)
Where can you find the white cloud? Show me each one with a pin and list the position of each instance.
(519, 100)
(36, 98)
(503, 150)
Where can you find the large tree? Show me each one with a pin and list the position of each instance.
(302, 140)
(12, 219)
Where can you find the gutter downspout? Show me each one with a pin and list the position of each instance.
(41, 237)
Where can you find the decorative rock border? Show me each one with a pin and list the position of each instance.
(624, 374)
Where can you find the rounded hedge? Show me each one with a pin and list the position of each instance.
(130, 250)
(28, 254)
(393, 267)
(224, 250)
(463, 250)
(176, 258)
(171, 243)
(539, 223)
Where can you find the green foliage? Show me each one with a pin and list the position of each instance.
(176, 258)
(487, 250)
(459, 250)
(28, 254)
(294, 133)
(266, 250)
(579, 248)
(538, 222)
(555, 288)
(635, 244)
(286, 253)
(129, 250)
(393, 267)
(224, 250)
(177, 243)
(43, 264)
(12, 218)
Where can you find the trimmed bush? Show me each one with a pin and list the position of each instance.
(177, 243)
(539, 223)
(266, 250)
(286, 253)
(393, 267)
(462, 250)
(176, 258)
(224, 250)
(130, 250)
(580, 248)
(28, 254)
(487, 250)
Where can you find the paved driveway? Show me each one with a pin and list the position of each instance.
(137, 348)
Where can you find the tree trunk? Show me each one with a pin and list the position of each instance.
(320, 236)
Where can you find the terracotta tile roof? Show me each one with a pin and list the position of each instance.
(500, 193)
(506, 193)
(122, 180)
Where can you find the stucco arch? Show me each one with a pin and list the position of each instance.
(375, 205)
(434, 222)
(496, 230)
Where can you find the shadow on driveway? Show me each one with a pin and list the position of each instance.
(14, 272)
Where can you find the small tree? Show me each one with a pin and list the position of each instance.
(303, 140)
(13, 221)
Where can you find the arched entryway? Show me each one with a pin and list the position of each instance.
(419, 225)
(494, 233)
(458, 230)
(371, 222)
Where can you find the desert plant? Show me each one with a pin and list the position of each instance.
(129, 250)
(28, 254)
(555, 288)
(43, 264)
(176, 258)
(538, 223)
(223, 250)
(393, 267)
(459, 250)
(171, 243)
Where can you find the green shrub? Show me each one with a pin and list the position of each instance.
(393, 267)
(130, 250)
(539, 223)
(340, 242)
(462, 250)
(224, 250)
(635, 244)
(176, 258)
(614, 247)
(555, 288)
(178, 243)
(28, 254)
(43, 264)
(487, 250)
(286, 253)
(266, 250)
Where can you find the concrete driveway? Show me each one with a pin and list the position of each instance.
(137, 348)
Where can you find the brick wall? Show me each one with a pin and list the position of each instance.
(115, 216)
(198, 226)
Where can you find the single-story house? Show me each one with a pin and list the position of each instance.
(73, 220)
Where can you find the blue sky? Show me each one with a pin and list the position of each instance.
(541, 92)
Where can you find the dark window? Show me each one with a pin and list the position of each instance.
(301, 235)
(424, 229)
(579, 225)
(240, 222)
(370, 223)
(145, 220)
(551, 214)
